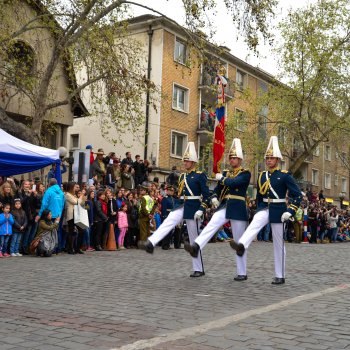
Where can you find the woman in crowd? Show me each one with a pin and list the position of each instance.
(332, 221)
(112, 213)
(127, 178)
(132, 235)
(47, 230)
(89, 206)
(71, 201)
(26, 195)
(6, 195)
(100, 219)
(19, 227)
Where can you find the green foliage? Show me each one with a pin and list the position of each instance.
(314, 105)
(38, 38)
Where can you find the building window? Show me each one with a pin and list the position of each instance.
(240, 119)
(327, 152)
(74, 141)
(327, 181)
(344, 185)
(180, 98)
(178, 144)
(317, 151)
(335, 180)
(241, 80)
(314, 177)
(180, 54)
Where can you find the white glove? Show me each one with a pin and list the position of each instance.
(218, 176)
(215, 202)
(198, 214)
(286, 216)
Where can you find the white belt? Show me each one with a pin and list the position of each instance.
(190, 197)
(273, 200)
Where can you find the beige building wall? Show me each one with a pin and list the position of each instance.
(41, 41)
(88, 128)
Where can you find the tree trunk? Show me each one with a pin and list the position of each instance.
(295, 166)
(17, 129)
(41, 96)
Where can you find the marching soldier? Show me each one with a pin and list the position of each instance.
(193, 201)
(231, 191)
(273, 185)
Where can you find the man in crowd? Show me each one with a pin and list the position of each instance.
(231, 191)
(173, 177)
(193, 201)
(52, 172)
(98, 167)
(139, 168)
(128, 159)
(147, 205)
(272, 187)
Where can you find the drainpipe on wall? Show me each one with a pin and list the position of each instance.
(149, 68)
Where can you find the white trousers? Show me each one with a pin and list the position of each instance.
(261, 218)
(237, 227)
(174, 218)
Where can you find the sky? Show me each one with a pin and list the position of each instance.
(226, 33)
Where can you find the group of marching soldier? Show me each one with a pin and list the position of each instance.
(229, 199)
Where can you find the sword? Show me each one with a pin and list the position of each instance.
(285, 232)
(200, 251)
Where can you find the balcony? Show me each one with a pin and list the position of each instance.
(209, 89)
(207, 120)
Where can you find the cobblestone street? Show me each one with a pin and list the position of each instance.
(131, 300)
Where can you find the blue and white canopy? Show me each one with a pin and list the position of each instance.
(18, 156)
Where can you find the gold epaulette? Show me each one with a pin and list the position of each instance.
(285, 171)
(226, 170)
(294, 207)
(199, 172)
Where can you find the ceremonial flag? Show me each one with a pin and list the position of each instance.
(219, 132)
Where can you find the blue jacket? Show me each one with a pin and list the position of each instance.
(197, 183)
(277, 183)
(234, 183)
(6, 224)
(53, 200)
(168, 204)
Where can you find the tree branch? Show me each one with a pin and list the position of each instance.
(75, 92)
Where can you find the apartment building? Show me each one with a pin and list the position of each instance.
(185, 110)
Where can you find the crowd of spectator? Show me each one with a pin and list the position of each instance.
(122, 201)
(316, 221)
(114, 198)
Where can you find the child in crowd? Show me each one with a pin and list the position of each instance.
(6, 222)
(157, 215)
(18, 228)
(122, 224)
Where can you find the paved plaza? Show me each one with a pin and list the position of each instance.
(132, 300)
